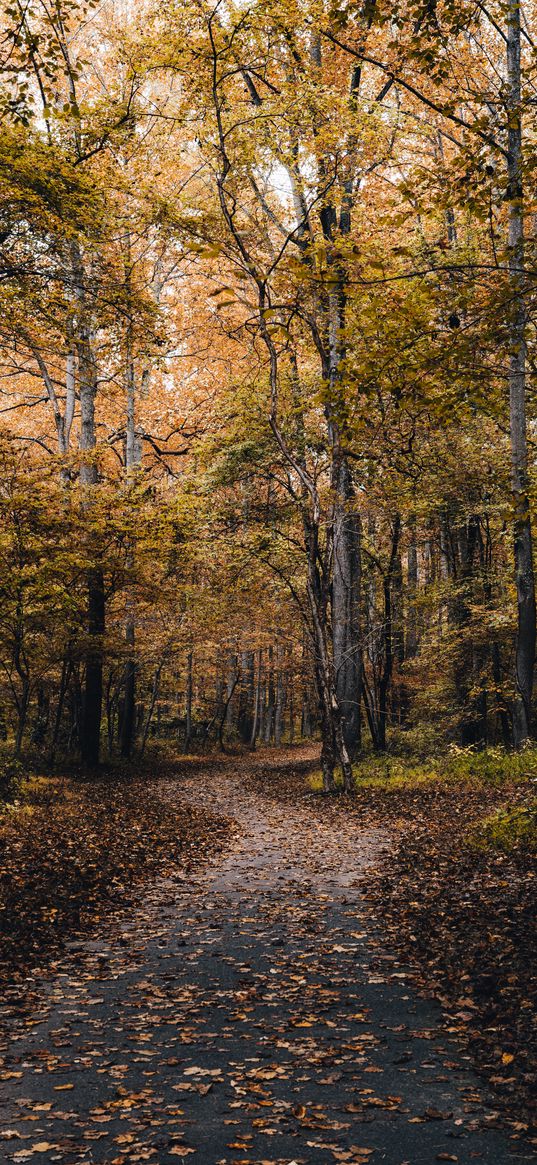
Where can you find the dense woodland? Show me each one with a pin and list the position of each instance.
(268, 480)
(268, 309)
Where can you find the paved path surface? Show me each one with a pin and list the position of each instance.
(246, 1017)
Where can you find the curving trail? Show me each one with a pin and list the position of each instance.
(246, 1016)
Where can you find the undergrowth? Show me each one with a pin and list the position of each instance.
(508, 830)
(491, 766)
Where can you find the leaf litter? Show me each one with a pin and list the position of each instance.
(248, 1007)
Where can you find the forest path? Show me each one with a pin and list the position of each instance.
(246, 1015)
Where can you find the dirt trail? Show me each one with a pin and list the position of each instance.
(246, 1016)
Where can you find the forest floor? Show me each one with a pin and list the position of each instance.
(245, 1006)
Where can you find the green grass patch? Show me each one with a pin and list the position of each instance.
(508, 830)
(491, 766)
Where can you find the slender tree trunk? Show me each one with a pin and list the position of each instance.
(334, 748)
(291, 701)
(411, 645)
(269, 709)
(75, 709)
(257, 700)
(468, 668)
(280, 700)
(391, 592)
(90, 728)
(338, 669)
(129, 701)
(188, 701)
(502, 713)
(232, 681)
(111, 708)
(64, 681)
(232, 684)
(40, 727)
(246, 696)
(346, 610)
(132, 462)
(219, 695)
(262, 707)
(345, 589)
(24, 704)
(154, 697)
(523, 550)
(372, 719)
(378, 715)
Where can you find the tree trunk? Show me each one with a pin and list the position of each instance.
(132, 462)
(291, 701)
(112, 707)
(154, 697)
(523, 551)
(24, 703)
(64, 681)
(269, 708)
(411, 645)
(257, 701)
(128, 722)
(334, 748)
(90, 728)
(188, 701)
(246, 697)
(346, 611)
(378, 715)
(75, 710)
(232, 680)
(469, 663)
(280, 700)
(502, 714)
(232, 684)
